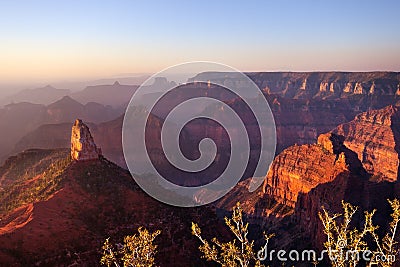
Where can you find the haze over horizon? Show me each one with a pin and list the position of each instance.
(45, 42)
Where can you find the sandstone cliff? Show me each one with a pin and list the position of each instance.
(322, 85)
(374, 135)
(298, 169)
(366, 147)
(357, 162)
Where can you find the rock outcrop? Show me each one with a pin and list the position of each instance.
(357, 162)
(374, 136)
(82, 143)
(366, 148)
(298, 169)
(307, 177)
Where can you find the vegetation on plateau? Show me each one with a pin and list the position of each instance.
(344, 245)
(238, 252)
(32, 187)
(138, 250)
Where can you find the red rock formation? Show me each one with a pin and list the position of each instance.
(311, 176)
(300, 121)
(373, 135)
(82, 143)
(368, 143)
(298, 169)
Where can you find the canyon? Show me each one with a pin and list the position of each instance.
(337, 139)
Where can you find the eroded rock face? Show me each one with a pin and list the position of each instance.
(301, 121)
(324, 84)
(374, 136)
(82, 143)
(308, 177)
(357, 162)
(298, 169)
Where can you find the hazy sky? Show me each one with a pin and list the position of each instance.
(50, 40)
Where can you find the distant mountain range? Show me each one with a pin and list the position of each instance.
(43, 95)
(293, 85)
(115, 95)
(17, 120)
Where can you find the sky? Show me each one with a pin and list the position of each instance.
(72, 40)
